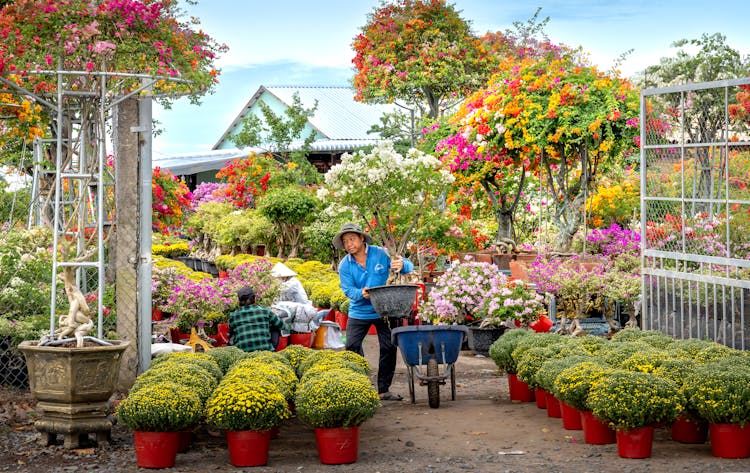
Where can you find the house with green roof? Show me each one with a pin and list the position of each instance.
(339, 125)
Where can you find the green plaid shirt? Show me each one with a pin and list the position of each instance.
(250, 328)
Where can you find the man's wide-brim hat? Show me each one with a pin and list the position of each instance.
(349, 228)
(280, 270)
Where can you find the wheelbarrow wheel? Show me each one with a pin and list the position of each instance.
(433, 386)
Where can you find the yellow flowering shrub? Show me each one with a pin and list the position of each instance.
(160, 407)
(239, 405)
(170, 250)
(530, 362)
(251, 374)
(573, 383)
(332, 359)
(190, 375)
(296, 355)
(268, 362)
(719, 391)
(202, 359)
(614, 203)
(551, 369)
(647, 361)
(631, 399)
(336, 398)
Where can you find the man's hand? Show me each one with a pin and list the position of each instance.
(397, 264)
(365, 293)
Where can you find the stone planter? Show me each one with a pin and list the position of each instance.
(73, 387)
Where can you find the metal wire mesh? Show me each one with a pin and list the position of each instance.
(695, 213)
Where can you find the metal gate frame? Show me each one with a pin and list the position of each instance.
(693, 285)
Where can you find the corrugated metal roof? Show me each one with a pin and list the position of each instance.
(193, 163)
(337, 117)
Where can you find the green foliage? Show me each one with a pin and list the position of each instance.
(290, 209)
(502, 348)
(26, 272)
(160, 407)
(13, 204)
(226, 356)
(278, 132)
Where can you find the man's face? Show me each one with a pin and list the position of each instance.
(353, 242)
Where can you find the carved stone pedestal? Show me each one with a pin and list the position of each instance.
(73, 387)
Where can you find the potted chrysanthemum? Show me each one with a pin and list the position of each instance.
(719, 392)
(247, 410)
(572, 387)
(632, 402)
(157, 413)
(336, 403)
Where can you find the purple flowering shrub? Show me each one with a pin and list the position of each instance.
(460, 292)
(208, 300)
(209, 192)
(613, 241)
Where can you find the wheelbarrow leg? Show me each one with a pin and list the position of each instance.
(410, 379)
(453, 382)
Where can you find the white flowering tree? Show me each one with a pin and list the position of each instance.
(391, 192)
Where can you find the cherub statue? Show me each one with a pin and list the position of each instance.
(77, 321)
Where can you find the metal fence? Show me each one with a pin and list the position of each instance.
(695, 212)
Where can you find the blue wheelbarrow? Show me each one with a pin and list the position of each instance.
(430, 346)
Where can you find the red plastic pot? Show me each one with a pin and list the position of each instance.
(156, 449)
(596, 432)
(635, 443)
(337, 446)
(248, 447)
(685, 430)
(729, 440)
(553, 406)
(519, 391)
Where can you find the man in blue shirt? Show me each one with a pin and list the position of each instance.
(363, 267)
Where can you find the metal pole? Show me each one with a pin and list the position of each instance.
(144, 230)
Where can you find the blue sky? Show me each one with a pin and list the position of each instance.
(304, 42)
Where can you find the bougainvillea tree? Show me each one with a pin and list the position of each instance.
(421, 52)
(553, 114)
(171, 198)
(489, 168)
(72, 61)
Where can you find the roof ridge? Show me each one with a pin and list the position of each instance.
(328, 86)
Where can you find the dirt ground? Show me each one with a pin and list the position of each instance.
(481, 431)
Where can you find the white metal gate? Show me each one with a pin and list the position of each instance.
(695, 212)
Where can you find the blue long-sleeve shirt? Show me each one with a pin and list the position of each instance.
(353, 278)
